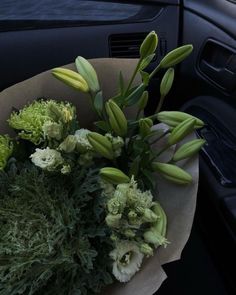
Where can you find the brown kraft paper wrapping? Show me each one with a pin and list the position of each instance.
(178, 201)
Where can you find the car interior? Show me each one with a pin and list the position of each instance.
(35, 38)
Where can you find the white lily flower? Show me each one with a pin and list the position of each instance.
(127, 260)
(47, 159)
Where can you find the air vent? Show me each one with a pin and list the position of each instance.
(126, 45)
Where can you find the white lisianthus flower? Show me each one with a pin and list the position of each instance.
(83, 144)
(47, 159)
(127, 260)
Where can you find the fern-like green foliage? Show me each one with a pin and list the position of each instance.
(52, 229)
(6, 149)
(32, 119)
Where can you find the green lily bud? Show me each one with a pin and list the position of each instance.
(69, 144)
(146, 249)
(188, 149)
(181, 130)
(113, 221)
(142, 103)
(113, 175)
(161, 224)
(166, 82)
(176, 56)
(129, 233)
(117, 118)
(145, 125)
(173, 118)
(149, 216)
(172, 173)
(101, 145)
(71, 78)
(149, 45)
(88, 73)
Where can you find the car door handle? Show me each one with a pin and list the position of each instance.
(218, 63)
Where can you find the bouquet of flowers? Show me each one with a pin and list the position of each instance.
(79, 208)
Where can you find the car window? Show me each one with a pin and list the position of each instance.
(66, 10)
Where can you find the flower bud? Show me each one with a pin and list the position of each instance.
(146, 249)
(166, 82)
(149, 45)
(129, 233)
(181, 130)
(155, 238)
(113, 221)
(71, 78)
(117, 118)
(101, 145)
(145, 125)
(176, 56)
(188, 149)
(142, 103)
(172, 173)
(88, 73)
(149, 216)
(132, 215)
(66, 169)
(113, 175)
(173, 118)
(69, 144)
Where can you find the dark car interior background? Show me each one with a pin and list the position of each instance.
(205, 86)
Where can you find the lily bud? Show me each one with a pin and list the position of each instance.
(88, 73)
(101, 145)
(188, 149)
(181, 130)
(71, 78)
(113, 175)
(69, 144)
(166, 82)
(146, 249)
(142, 103)
(149, 45)
(173, 118)
(176, 56)
(113, 220)
(145, 125)
(117, 118)
(172, 173)
(149, 216)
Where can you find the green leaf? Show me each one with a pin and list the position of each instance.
(98, 102)
(145, 77)
(103, 125)
(118, 99)
(134, 97)
(146, 61)
(134, 167)
(149, 179)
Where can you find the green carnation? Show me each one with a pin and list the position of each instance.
(6, 149)
(42, 120)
